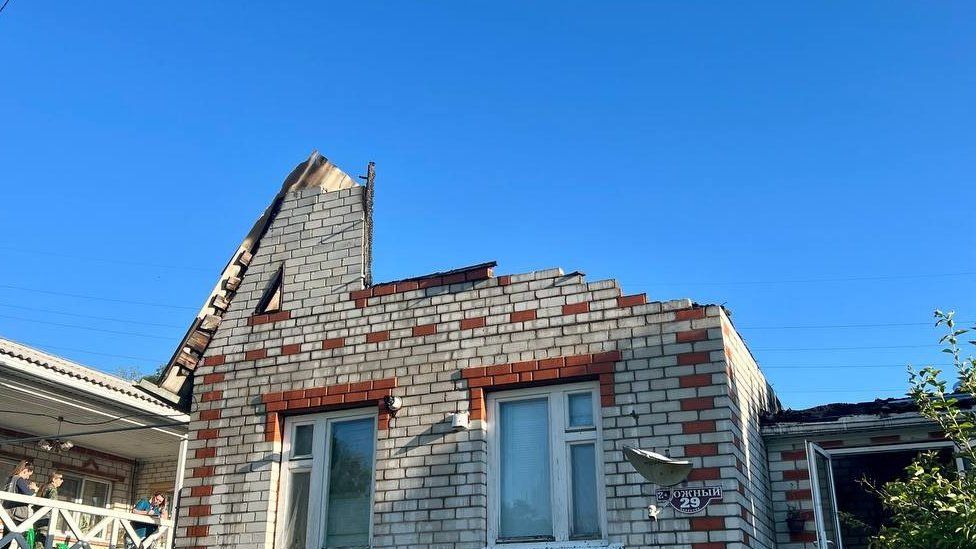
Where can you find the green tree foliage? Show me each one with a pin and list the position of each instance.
(935, 506)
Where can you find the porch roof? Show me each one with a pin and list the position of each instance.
(37, 388)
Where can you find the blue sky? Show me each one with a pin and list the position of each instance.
(803, 163)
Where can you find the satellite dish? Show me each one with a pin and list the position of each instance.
(656, 468)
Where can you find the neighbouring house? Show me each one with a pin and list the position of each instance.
(112, 442)
(469, 410)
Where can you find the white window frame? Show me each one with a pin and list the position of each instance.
(561, 438)
(318, 466)
(81, 490)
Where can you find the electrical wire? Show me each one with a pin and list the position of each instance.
(89, 328)
(814, 280)
(4, 5)
(96, 298)
(43, 346)
(817, 326)
(93, 317)
(87, 423)
(104, 260)
(856, 348)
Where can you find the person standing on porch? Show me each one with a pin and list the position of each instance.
(19, 483)
(154, 507)
(48, 490)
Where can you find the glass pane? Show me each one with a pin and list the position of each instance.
(296, 521)
(93, 493)
(581, 410)
(70, 490)
(828, 507)
(302, 443)
(526, 509)
(586, 514)
(348, 506)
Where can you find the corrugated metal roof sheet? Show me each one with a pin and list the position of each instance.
(66, 367)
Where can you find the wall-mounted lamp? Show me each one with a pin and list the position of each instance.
(393, 404)
(459, 421)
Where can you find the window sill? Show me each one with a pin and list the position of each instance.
(578, 544)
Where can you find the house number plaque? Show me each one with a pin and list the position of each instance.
(689, 500)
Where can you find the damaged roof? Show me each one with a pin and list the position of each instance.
(316, 171)
(839, 410)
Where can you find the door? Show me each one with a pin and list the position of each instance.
(824, 498)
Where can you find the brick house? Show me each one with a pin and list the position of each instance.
(516, 395)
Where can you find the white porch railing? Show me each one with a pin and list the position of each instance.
(107, 528)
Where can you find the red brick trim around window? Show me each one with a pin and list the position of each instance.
(320, 399)
(540, 372)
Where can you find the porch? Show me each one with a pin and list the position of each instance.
(113, 444)
(82, 526)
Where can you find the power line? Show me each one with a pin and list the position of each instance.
(902, 389)
(4, 5)
(96, 298)
(882, 325)
(816, 280)
(847, 348)
(839, 366)
(94, 317)
(104, 260)
(89, 328)
(44, 346)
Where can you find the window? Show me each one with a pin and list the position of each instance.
(546, 470)
(87, 491)
(326, 490)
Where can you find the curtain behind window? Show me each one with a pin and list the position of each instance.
(526, 509)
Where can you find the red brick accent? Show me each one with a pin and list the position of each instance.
(695, 380)
(504, 280)
(522, 316)
(377, 337)
(203, 453)
(793, 455)
(796, 474)
(268, 318)
(361, 294)
(208, 415)
(255, 354)
(345, 394)
(685, 359)
(201, 491)
(689, 314)
(207, 434)
(576, 308)
(210, 379)
(701, 450)
(709, 545)
(705, 473)
(198, 511)
(799, 495)
(197, 531)
(691, 335)
(697, 403)
(631, 300)
(831, 443)
(697, 427)
(334, 343)
(424, 330)
(885, 439)
(472, 323)
(211, 396)
(532, 372)
(478, 273)
(202, 472)
(292, 349)
(214, 360)
(362, 303)
(707, 523)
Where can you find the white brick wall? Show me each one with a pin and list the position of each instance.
(431, 482)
